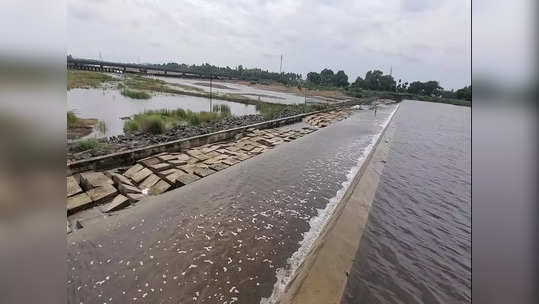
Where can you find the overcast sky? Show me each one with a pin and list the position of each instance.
(420, 39)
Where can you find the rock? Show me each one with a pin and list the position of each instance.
(166, 157)
(78, 202)
(72, 186)
(124, 189)
(185, 179)
(140, 175)
(203, 172)
(119, 202)
(91, 180)
(149, 181)
(102, 194)
(219, 166)
(69, 230)
(133, 170)
(159, 188)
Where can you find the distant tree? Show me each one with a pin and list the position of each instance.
(340, 79)
(387, 83)
(431, 88)
(358, 84)
(416, 87)
(465, 93)
(373, 80)
(313, 78)
(448, 94)
(326, 77)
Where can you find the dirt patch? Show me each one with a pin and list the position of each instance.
(328, 95)
(84, 127)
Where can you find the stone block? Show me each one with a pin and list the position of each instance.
(178, 162)
(218, 166)
(161, 167)
(150, 161)
(134, 197)
(77, 202)
(102, 194)
(203, 172)
(120, 179)
(167, 172)
(72, 186)
(151, 180)
(166, 157)
(159, 188)
(141, 175)
(130, 173)
(171, 178)
(124, 189)
(230, 161)
(185, 179)
(91, 180)
(187, 168)
(243, 156)
(119, 202)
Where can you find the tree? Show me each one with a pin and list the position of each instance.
(340, 79)
(431, 88)
(465, 93)
(326, 77)
(416, 87)
(313, 78)
(359, 83)
(387, 83)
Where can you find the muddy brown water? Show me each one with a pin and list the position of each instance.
(417, 243)
(227, 238)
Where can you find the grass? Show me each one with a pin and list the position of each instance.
(135, 94)
(73, 121)
(271, 110)
(86, 144)
(222, 108)
(402, 95)
(86, 79)
(158, 121)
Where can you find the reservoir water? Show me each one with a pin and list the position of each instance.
(417, 243)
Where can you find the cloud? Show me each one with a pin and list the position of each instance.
(354, 36)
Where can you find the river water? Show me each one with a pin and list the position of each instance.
(417, 243)
(235, 236)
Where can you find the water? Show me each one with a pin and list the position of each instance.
(241, 228)
(245, 90)
(110, 106)
(417, 244)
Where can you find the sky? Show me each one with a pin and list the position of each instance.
(415, 39)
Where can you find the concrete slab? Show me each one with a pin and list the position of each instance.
(230, 161)
(91, 180)
(141, 175)
(203, 172)
(151, 180)
(161, 167)
(178, 162)
(130, 173)
(159, 188)
(150, 161)
(124, 189)
(167, 157)
(120, 179)
(135, 197)
(78, 202)
(102, 194)
(119, 202)
(72, 186)
(187, 168)
(185, 179)
(218, 166)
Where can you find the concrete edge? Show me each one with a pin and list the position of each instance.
(306, 268)
(129, 157)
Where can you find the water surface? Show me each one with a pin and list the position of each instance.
(417, 243)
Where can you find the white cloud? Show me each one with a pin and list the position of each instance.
(421, 40)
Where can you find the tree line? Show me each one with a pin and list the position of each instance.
(376, 80)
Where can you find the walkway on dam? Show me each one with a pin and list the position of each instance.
(227, 238)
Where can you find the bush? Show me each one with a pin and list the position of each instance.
(135, 94)
(84, 145)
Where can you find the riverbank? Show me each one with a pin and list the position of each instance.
(323, 275)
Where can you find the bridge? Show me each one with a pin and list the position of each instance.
(118, 67)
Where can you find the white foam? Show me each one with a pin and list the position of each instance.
(317, 224)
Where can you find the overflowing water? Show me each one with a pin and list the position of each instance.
(417, 243)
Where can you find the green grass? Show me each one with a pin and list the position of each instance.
(270, 110)
(72, 120)
(222, 108)
(158, 121)
(86, 79)
(86, 144)
(135, 94)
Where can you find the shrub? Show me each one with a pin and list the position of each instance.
(135, 94)
(84, 145)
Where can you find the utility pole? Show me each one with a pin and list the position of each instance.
(281, 66)
(211, 106)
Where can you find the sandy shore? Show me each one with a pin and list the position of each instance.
(323, 275)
